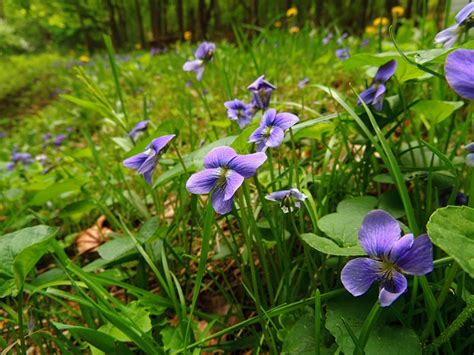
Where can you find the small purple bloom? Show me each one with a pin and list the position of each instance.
(464, 21)
(240, 112)
(139, 127)
(459, 72)
(288, 199)
(328, 38)
(24, 158)
(224, 172)
(59, 139)
(262, 91)
(342, 54)
(365, 43)
(154, 51)
(272, 128)
(3, 134)
(47, 136)
(376, 91)
(188, 84)
(470, 154)
(302, 83)
(341, 39)
(460, 200)
(145, 163)
(389, 257)
(203, 54)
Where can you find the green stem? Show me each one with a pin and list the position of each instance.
(20, 321)
(369, 324)
(295, 161)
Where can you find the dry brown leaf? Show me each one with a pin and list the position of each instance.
(90, 239)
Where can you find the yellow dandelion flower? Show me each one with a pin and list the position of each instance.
(294, 29)
(370, 30)
(277, 24)
(188, 35)
(381, 21)
(398, 11)
(84, 58)
(292, 11)
(138, 46)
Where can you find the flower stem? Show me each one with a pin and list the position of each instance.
(20, 321)
(295, 161)
(369, 324)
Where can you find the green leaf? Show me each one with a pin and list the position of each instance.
(342, 227)
(301, 338)
(391, 202)
(393, 339)
(240, 144)
(19, 252)
(124, 143)
(452, 229)
(98, 339)
(56, 190)
(327, 246)
(117, 248)
(137, 314)
(435, 111)
(172, 339)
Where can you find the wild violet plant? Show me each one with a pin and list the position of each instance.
(271, 132)
(464, 21)
(225, 171)
(375, 93)
(390, 256)
(203, 55)
(279, 274)
(146, 162)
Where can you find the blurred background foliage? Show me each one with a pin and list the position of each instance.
(38, 25)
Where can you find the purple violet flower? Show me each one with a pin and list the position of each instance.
(239, 111)
(459, 72)
(288, 199)
(139, 127)
(145, 163)
(262, 91)
(464, 21)
(203, 55)
(302, 83)
(59, 139)
(272, 128)
(460, 200)
(341, 39)
(224, 172)
(24, 158)
(47, 136)
(389, 257)
(365, 43)
(342, 54)
(470, 154)
(375, 93)
(328, 38)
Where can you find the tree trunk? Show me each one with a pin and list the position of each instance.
(2, 10)
(254, 12)
(179, 16)
(202, 18)
(141, 30)
(113, 24)
(155, 21)
(84, 30)
(122, 22)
